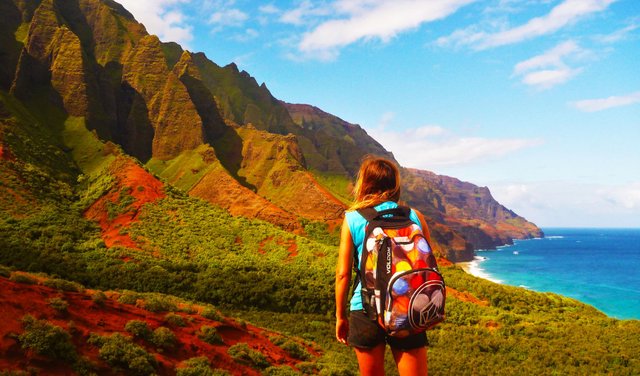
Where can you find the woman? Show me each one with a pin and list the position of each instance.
(378, 186)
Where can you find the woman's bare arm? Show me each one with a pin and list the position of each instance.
(343, 278)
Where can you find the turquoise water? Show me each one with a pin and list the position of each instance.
(600, 267)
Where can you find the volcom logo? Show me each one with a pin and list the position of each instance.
(388, 251)
(426, 305)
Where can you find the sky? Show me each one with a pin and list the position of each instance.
(539, 100)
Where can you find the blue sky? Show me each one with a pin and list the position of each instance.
(537, 99)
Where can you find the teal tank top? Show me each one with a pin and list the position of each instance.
(357, 224)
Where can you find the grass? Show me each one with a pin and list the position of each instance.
(86, 149)
(339, 185)
(185, 170)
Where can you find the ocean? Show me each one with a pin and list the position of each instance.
(600, 267)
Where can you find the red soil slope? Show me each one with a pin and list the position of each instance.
(142, 186)
(19, 299)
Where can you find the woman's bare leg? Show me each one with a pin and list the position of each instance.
(371, 361)
(411, 362)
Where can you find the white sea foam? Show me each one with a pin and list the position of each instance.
(475, 269)
(555, 237)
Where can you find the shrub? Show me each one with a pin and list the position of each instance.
(47, 339)
(99, 298)
(280, 371)
(295, 350)
(59, 304)
(211, 314)
(84, 366)
(199, 366)
(175, 320)
(242, 353)
(22, 278)
(129, 297)
(138, 328)
(61, 284)
(308, 368)
(119, 351)
(187, 309)
(210, 335)
(158, 303)
(163, 338)
(5, 272)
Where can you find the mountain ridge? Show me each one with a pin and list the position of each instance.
(91, 59)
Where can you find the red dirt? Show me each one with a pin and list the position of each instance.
(465, 297)
(144, 188)
(5, 153)
(292, 246)
(19, 299)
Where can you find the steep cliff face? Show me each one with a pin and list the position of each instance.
(203, 99)
(176, 123)
(274, 166)
(340, 145)
(467, 208)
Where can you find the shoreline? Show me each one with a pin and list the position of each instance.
(473, 268)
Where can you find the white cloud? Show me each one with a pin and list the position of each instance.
(269, 9)
(562, 15)
(432, 146)
(357, 20)
(546, 79)
(228, 17)
(593, 105)
(618, 35)
(162, 18)
(572, 204)
(246, 35)
(625, 196)
(552, 57)
(549, 69)
(305, 11)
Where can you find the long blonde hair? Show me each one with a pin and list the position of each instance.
(378, 181)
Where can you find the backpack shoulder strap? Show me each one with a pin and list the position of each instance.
(369, 214)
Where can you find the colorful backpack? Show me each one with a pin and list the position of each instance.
(401, 287)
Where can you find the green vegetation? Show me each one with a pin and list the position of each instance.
(280, 371)
(5, 272)
(211, 314)
(338, 184)
(139, 329)
(185, 170)
(210, 335)
(59, 304)
(242, 353)
(292, 348)
(47, 339)
(120, 352)
(159, 303)
(121, 206)
(199, 366)
(63, 285)
(129, 297)
(319, 232)
(174, 319)
(519, 332)
(99, 298)
(164, 338)
(21, 278)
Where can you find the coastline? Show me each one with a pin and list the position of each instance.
(473, 267)
(568, 248)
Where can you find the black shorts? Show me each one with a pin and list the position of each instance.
(365, 333)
